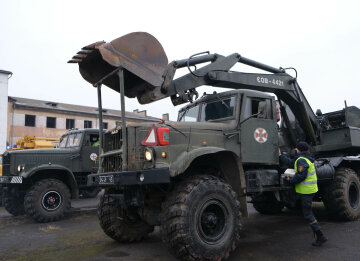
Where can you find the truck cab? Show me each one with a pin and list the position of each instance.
(40, 182)
(249, 116)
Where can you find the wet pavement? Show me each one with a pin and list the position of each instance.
(79, 237)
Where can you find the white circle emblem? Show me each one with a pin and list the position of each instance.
(93, 156)
(260, 135)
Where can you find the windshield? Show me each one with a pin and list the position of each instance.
(72, 140)
(190, 115)
(63, 141)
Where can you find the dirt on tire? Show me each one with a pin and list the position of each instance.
(342, 196)
(118, 225)
(14, 204)
(188, 223)
(47, 200)
(90, 192)
(266, 203)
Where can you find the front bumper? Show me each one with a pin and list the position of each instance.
(11, 180)
(129, 178)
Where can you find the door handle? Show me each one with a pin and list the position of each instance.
(74, 156)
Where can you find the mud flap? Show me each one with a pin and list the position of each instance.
(242, 190)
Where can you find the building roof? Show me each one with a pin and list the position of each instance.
(40, 105)
(5, 72)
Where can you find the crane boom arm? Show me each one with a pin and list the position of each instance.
(218, 74)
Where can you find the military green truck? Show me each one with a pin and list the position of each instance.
(193, 177)
(41, 182)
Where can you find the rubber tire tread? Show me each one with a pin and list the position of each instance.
(175, 215)
(336, 195)
(266, 203)
(118, 229)
(14, 205)
(33, 197)
(90, 192)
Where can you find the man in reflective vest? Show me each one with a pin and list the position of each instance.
(305, 182)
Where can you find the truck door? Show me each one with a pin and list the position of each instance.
(258, 131)
(89, 152)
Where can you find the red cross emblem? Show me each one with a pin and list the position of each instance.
(260, 135)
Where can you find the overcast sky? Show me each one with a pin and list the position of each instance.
(321, 39)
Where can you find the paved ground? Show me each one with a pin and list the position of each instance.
(79, 237)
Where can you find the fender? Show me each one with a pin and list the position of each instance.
(234, 173)
(185, 159)
(337, 161)
(70, 178)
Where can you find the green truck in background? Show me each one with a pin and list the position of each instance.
(192, 177)
(41, 182)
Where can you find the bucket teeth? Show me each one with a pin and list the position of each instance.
(79, 56)
(82, 54)
(74, 61)
(84, 51)
(93, 46)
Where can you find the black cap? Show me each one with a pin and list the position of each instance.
(302, 146)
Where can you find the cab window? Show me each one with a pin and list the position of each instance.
(190, 115)
(258, 108)
(63, 141)
(74, 140)
(220, 109)
(94, 140)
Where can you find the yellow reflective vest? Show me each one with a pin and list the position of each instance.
(309, 185)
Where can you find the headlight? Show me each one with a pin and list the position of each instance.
(20, 168)
(148, 155)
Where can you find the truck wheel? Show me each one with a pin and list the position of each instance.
(90, 192)
(14, 204)
(200, 220)
(266, 203)
(342, 196)
(118, 225)
(47, 200)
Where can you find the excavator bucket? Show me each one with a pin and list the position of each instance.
(139, 53)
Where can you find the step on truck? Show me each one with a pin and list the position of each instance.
(193, 177)
(41, 182)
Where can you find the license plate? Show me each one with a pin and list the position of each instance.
(108, 179)
(3, 179)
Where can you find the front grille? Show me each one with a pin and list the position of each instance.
(6, 164)
(6, 158)
(112, 141)
(112, 163)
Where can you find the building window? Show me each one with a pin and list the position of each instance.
(50, 122)
(29, 120)
(105, 125)
(70, 124)
(87, 124)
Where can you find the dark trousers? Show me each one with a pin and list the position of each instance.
(306, 205)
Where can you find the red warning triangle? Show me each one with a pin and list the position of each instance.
(151, 139)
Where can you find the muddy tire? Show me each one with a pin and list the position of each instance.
(266, 203)
(47, 200)
(14, 203)
(200, 219)
(118, 225)
(90, 192)
(342, 196)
